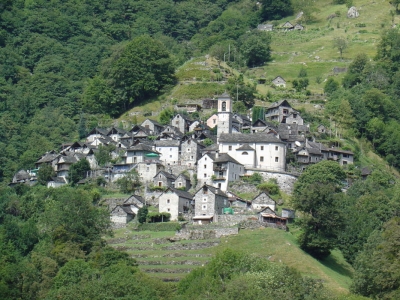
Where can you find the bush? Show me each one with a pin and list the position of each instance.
(269, 187)
(255, 178)
(142, 214)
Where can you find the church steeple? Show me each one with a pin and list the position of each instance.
(224, 114)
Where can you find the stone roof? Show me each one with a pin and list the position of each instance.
(97, 130)
(248, 138)
(365, 171)
(58, 179)
(181, 193)
(184, 176)
(142, 147)
(279, 103)
(137, 197)
(213, 147)
(213, 190)
(245, 147)
(167, 143)
(224, 157)
(317, 146)
(314, 151)
(48, 157)
(166, 174)
(21, 175)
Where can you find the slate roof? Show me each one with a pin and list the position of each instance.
(48, 157)
(166, 174)
(279, 103)
(216, 191)
(314, 151)
(97, 130)
(142, 147)
(21, 175)
(245, 147)
(167, 143)
(67, 160)
(127, 209)
(248, 138)
(137, 197)
(317, 146)
(182, 194)
(213, 147)
(58, 179)
(116, 130)
(365, 171)
(224, 157)
(184, 176)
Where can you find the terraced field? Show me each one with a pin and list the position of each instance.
(165, 259)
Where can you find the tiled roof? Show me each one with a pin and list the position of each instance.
(245, 147)
(225, 158)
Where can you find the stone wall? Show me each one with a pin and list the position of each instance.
(205, 234)
(232, 220)
(285, 181)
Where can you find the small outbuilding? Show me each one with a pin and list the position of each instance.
(279, 82)
(122, 214)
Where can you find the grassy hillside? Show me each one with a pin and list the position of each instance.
(153, 255)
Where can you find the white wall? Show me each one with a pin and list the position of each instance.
(208, 170)
(169, 155)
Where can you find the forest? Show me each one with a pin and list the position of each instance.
(68, 66)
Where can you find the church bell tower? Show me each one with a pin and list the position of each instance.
(224, 114)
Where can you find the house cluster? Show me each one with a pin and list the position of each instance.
(285, 27)
(219, 150)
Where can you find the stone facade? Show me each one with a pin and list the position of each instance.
(190, 152)
(212, 121)
(181, 122)
(169, 150)
(210, 201)
(153, 126)
(205, 169)
(164, 179)
(174, 202)
(121, 214)
(182, 181)
(262, 201)
(147, 170)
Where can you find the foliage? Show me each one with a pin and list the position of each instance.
(154, 217)
(208, 142)
(45, 173)
(129, 183)
(269, 187)
(232, 274)
(258, 112)
(377, 265)
(165, 116)
(255, 178)
(239, 107)
(331, 85)
(275, 10)
(317, 193)
(300, 84)
(103, 155)
(340, 44)
(77, 171)
(255, 47)
(142, 214)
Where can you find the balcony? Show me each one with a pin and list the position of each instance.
(219, 168)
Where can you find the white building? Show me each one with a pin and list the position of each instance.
(257, 150)
(169, 150)
(224, 114)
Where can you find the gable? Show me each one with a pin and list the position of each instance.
(263, 198)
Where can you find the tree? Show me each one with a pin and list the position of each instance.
(103, 155)
(275, 9)
(255, 47)
(218, 52)
(45, 173)
(208, 142)
(129, 183)
(331, 85)
(244, 92)
(166, 116)
(341, 44)
(142, 214)
(317, 194)
(77, 171)
(239, 107)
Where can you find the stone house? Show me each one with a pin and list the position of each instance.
(269, 218)
(63, 164)
(306, 156)
(279, 111)
(288, 213)
(194, 125)
(96, 133)
(122, 214)
(153, 126)
(279, 82)
(116, 133)
(169, 150)
(164, 179)
(50, 158)
(210, 104)
(137, 154)
(262, 201)
(175, 202)
(181, 122)
(190, 152)
(189, 108)
(294, 118)
(149, 169)
(269, 150)
(135, 202)
(287, 26)
(321, 129)
(139, 132)
(298, 27)
(243, 120)
(182, 181)
(209, 203)
(56, 182)
(343, 157)
(212, 121)
(226, 169)
(265, 27)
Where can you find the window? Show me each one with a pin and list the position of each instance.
(204, 206)
(214, 121)
(159, 176)
(230, 148)
(170, 156)
(204, 199)
(221, 173)
(276, 159)
(276, 148)
(179, 183)
(147, 169)
(160, 183)
(262, 147)
(177, 123)
(219, 185)
(245, 153)
(261, 158)
(224, 106)
(170, 149)
(205, 166)
(205, 190)
(168, 201)
(294, 116)
(168, 209)
(188, 150)
(191, 157)
(205, 175)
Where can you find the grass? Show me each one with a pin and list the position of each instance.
(277, 245)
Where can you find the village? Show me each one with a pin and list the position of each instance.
(187, 167)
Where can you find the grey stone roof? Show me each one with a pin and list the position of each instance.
(213, 147)
(225, 158)
(68, 160)
(182, 194)
(216, 191)
(314, 151)
(317, 146)
(48, 157)
(245, 147)
(58, 179)
(279, 103)
(166, 174)
(142, 147)
(184, 176)
(167, 143)
(21, 175)
(137, 197)
(97, 130)
(116, 130)
(248, 138)
(365, 171)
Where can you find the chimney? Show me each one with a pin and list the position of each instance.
(217, 154)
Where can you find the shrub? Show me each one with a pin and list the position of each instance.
(255, 178)
(269, 187)
(166, 226)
